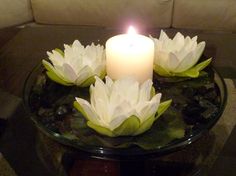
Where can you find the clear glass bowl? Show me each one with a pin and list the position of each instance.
(107, 150)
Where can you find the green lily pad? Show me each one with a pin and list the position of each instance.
(87, 82)
(100, 129)
(128, 127)
(161, 71)
(53, 76)
(57, 79)
(164, 130)
(145, 125)
(163, 107)
(193, 72)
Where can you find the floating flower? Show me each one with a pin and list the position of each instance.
(122, 107)
(178, 56)
(77, 65)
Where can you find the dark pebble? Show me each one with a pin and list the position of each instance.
(211, 109)
(193, 109)
(34, 101)
(189, 92)
(47, 100)
(44, 112)
(192, 114)
(210, 86)
(47, 120)
(211, 95)
(202, 90)
(53, 127)
(206, 104)
(61, 111)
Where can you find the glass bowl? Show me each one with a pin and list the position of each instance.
(155, 142)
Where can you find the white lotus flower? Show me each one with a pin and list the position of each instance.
(122, 107)
(178, 56)
(77, 65)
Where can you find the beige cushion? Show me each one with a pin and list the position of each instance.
(205, 14)
(148, 13)
(14, 12)
(5, 168)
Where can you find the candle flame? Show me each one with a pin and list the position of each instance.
(132, 30)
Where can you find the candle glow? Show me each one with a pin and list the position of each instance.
(130, 54)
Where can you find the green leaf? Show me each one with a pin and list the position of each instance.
(192, 72)
(153, 91)
(80, 109)
(170, 127)
(146, 125)
(163, 107)
(176, 132)
(100, 129)
(203, 64)
(163, 131)
(52, 75)
(59, 51)
(87, 82)
(57, 79)
(91, 79)
(103, 74)
(161, 71)
(128, 127)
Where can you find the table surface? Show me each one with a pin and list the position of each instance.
(31, 153)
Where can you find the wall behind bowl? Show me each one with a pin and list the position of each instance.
(109, 13)
(205, 14)
(15, 12)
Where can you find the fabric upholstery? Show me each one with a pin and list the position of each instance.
(205, 14)
(14, 12)
(5, 168)
(148, 13)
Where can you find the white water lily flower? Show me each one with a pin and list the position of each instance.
(77, 65)
(178, 56)
(122, 107)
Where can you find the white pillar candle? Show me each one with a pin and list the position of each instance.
(130, 55)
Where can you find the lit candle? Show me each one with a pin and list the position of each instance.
(130, 55)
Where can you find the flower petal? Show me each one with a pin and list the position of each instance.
(146, 125)
(83, 75)
(185, 64)
(55, 57)
(54, 75)
(163, 36)
(128, 127)
(173, 61)
(145, 89)
(85, 108)
(100, 129)
(163, 107)
(199, 50)
(147, 109)
(69, 73)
